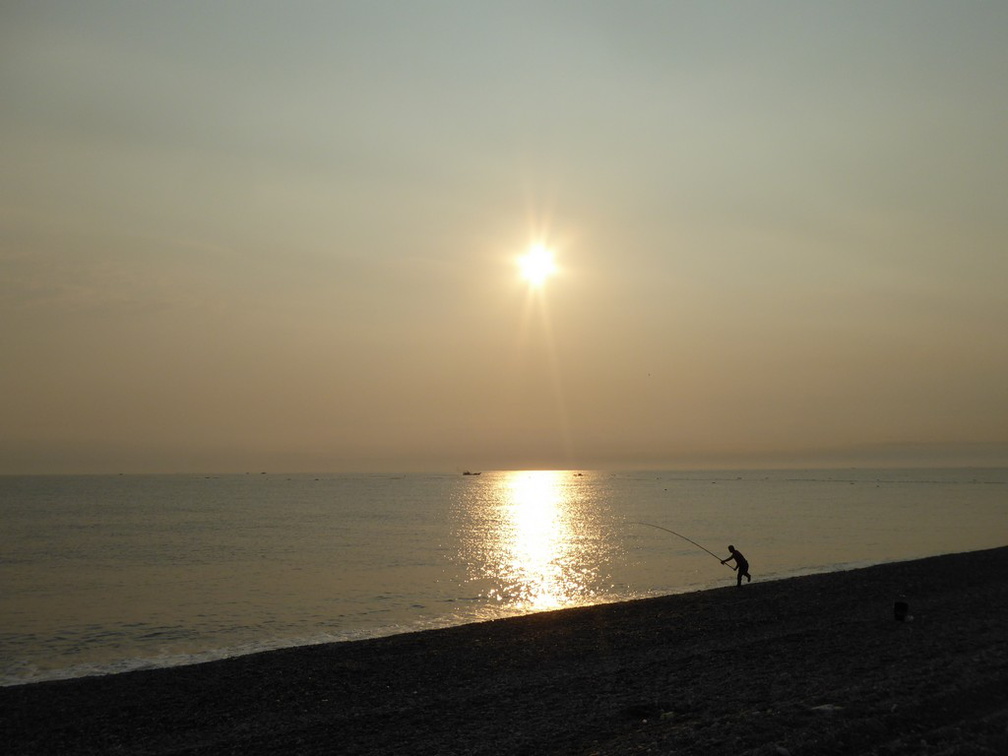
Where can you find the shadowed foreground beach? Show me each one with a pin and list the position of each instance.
(809, 665)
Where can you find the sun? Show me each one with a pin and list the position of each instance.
(537, 265)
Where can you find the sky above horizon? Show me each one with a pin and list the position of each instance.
(284, 236)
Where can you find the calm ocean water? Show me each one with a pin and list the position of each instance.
(102, 574)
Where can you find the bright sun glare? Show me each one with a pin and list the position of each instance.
(537, 265)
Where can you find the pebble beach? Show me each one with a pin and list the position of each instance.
(817, 664)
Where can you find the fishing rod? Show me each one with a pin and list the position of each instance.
(652, 525)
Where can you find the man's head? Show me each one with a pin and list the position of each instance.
(731, 549)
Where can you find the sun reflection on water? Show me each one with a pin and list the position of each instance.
(535, 550)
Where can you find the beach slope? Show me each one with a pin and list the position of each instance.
(814, 664)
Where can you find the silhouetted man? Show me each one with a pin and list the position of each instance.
(742, 566)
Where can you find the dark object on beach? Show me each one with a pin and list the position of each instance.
(900, 609)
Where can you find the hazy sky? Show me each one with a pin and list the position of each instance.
(244, 236)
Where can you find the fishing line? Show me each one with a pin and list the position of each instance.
(652, 525)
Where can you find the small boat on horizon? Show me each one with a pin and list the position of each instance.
(467, 472)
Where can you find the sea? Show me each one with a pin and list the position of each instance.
(104, 574)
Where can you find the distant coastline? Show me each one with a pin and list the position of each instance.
(29, 458)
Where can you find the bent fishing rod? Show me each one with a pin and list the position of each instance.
(652, 525)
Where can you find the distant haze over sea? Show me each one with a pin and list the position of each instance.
(97, 459)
